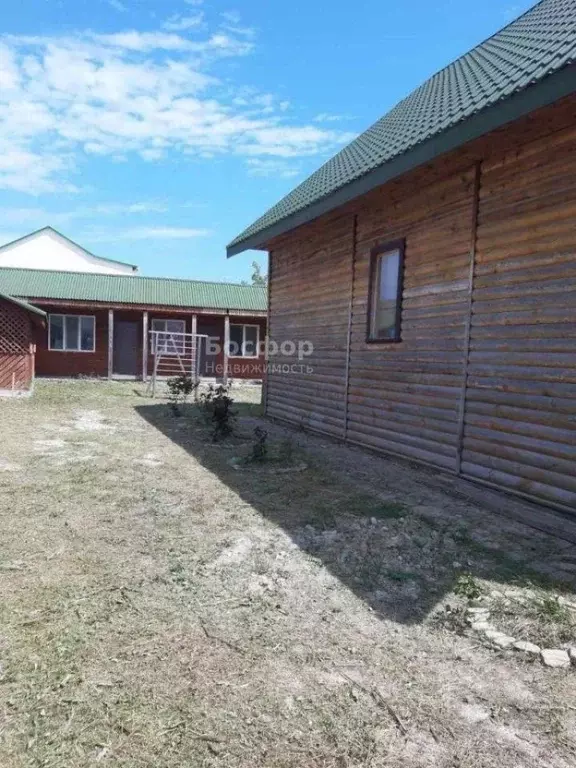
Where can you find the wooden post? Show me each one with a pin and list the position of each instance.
(194, 350)
(226, 347)
(110, 343)
(145, 345)
(264, 395)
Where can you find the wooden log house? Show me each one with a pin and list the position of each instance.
(432, 265)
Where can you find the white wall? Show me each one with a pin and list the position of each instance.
(48, 250)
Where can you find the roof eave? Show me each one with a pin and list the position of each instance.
(541, 94)
(23, 304)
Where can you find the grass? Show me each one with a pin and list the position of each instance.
(158, 608)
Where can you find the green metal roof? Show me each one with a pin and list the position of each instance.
(131, 289)
(24, 304)
(526, 65)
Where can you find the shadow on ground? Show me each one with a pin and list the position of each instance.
(399, 558)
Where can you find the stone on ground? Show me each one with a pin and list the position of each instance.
(503, 641)
(553, 657)
(481, 626)
(524, 645)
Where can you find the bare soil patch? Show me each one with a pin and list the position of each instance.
(159, 608)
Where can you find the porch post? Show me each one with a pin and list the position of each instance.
(145, 345)
(110, 343)
(226, 347)
(194, 345)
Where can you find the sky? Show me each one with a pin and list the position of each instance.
(154, 131)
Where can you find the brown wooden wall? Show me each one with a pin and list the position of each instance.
(483, 382)
(520, 427)
(16, 347)
(405, 397)
(60, 363)
(310, 300)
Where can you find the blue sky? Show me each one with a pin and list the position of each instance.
(154, 131)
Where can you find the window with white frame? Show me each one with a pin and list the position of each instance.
(244, 340)
(71, 333)
(170, 339)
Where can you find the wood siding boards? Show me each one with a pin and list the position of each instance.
(404, 397)
(310, 301)
(511, 340)
(520, 421)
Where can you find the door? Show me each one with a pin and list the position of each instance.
(209, 361)
(126, 356)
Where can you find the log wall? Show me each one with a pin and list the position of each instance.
(520, 421)
(405, 397)
(483, 382)
(311, 281)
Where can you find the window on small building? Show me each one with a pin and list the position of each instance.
(170, 339)
(385, 300)
(244, 340)
(71, 333)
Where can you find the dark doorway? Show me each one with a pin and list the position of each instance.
(208, 361)
(126, 347)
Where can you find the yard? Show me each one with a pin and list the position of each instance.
(159, 607)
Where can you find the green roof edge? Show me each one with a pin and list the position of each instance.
(24, 304)
(541, 94)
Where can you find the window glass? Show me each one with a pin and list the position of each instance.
(166, 342)
(56, 332)
(236, 340)
(87, 334)
(71, 335)
(385, 298)
(250, 341)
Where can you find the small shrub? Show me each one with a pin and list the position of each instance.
(179, 390)
(550, 609)
(452, 618)
(260, 448)
(468, 587)
(217, 403)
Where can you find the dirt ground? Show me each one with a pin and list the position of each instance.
(160, 608)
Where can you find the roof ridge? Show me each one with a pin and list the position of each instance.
(130, 277)
(480, 44)
(527, 64)
(65, 237)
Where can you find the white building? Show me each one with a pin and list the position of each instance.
(48, 249)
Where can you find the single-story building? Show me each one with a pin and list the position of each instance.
(19, 323)
(105, 324)
(432, 265)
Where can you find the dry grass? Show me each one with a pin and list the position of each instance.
(158, 608)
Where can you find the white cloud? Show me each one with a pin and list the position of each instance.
(146, 41)
(178, 23)
(145, 94)
(117, 5)
(152, 233)
(326, 117)
(263, 167)
(35, 217)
